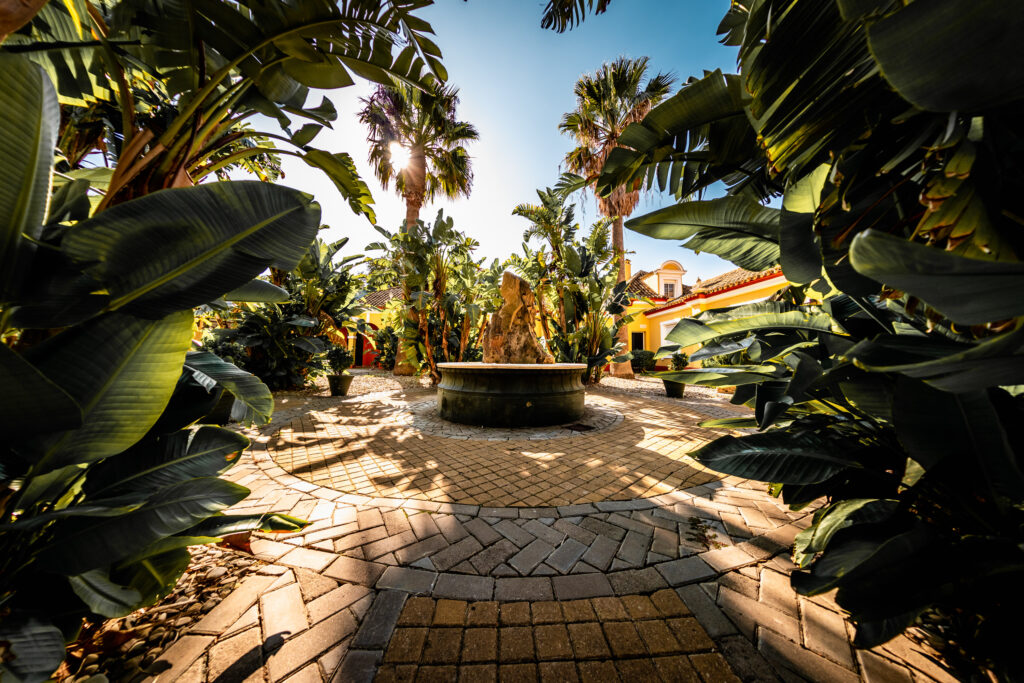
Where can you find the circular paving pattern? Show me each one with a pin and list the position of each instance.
(394, 449)
(597, 416)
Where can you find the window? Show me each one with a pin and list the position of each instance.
(670, 289)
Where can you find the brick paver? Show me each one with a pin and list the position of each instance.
(401, 455)
(595, 557)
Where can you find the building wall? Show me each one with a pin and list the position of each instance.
(671, 272)
(662, 322)
(640, 323)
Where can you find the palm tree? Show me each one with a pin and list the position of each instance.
(607, 102)
(421, 126)
(403, 120)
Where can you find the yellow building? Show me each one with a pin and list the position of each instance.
(373, 316)
(655, 320)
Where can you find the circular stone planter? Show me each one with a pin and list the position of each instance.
(511, 394)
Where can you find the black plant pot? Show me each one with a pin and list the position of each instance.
(339, 384)
(673, 389)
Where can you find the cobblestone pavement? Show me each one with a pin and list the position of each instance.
(689, 583)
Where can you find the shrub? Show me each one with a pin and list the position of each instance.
(643, 360)
(678, 361)
(278, 353)
(338, 358)
(386, 342)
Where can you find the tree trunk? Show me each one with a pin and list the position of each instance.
(625, 368)
(16, 13)
(415, 182)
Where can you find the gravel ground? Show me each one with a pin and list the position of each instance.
(654, 387)
(365, 382)
(120, 650)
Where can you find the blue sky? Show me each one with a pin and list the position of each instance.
(516, 81)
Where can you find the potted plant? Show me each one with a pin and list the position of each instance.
(339, 359)
(678, 362)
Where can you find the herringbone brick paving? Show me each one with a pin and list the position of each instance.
(688, 584)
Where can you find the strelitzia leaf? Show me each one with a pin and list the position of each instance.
(176, 249)
(967, 290)
(778, 456)
(81, 545)
(122, 371)
(29, 120)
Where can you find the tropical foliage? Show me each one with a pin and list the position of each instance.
(107, 471)
(446, 287)
(285, 337)
(587, 308)
(385, 341)
(106, 477)
(338, 359)
(643, 360)
(170, 90)
(606, 102)
(887, 380)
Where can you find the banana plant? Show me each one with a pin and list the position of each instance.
(430, 255)
(588, 303)
(887, 381)
(106, 470)
(173, 87)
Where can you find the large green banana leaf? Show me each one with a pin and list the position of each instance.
(179, 248)
(155, 575)
(227, 525)
(944, 364)
(781, 457)
(29, 119)
(970, 291)
(952, 55)
(30, 403)
(103, 596)
(72, 60)
(157, 462)
(799, 246)
(210, 370)
(258, 291)
(735, 228)
(760, 316)
(666, 146)
(83, 544)
(342, 171)
(121, 370)
(840, 516)
(728, 376)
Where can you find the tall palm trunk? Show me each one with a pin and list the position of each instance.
(415, 185)
(625, 368)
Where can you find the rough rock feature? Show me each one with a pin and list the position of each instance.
(510, 334)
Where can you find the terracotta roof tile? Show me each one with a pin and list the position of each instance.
(732, 278)
(718, 283)
(382, 298)
(638, 288)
